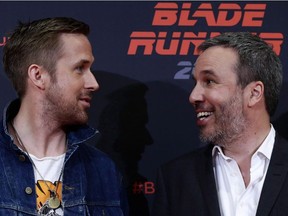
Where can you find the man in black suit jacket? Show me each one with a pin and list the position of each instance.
(243, 168)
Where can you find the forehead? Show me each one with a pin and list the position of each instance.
(76, 46)
(216, 60)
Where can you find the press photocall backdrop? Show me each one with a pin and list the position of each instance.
(144, 55)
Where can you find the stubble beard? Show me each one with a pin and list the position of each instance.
(229, 125)
(65, 112)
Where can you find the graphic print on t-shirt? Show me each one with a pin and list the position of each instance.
(43, 195)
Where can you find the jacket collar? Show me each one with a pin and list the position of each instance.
(75, 135)
(275, 177)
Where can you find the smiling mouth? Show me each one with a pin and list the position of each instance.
(203, 115)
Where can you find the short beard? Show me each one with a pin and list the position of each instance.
(66, 113)
(229, 127)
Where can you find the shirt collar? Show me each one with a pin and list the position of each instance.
(265, 148)
(268, 144)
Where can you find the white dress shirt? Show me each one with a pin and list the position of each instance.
(234, 198)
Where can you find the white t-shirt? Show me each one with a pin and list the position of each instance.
(50, 169)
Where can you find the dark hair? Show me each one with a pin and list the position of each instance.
(257, 62)
(37, 42)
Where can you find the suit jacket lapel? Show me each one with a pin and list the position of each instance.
(207, 183)
(277, 171)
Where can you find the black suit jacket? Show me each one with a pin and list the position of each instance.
(186, 186)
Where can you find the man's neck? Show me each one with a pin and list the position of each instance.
(40, 136)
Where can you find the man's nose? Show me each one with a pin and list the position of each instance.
(197, 94)
(91, 82)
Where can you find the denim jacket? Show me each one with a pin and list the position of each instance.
(91, 183)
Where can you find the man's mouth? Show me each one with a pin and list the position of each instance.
(203, 115)
(86, 101)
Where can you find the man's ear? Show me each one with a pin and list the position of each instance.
(37, 75)
(256, 92)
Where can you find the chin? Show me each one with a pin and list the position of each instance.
(82, 121)
(77, 120)
(206, 137)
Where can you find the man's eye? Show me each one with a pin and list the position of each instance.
(80, 68)
(209, 81)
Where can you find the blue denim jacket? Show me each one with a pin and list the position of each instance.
(91, 183)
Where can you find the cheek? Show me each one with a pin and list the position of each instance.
(75, 83)
(219, 99)
(70, 86)
(215, 97)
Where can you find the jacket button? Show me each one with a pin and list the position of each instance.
(28, 190)
(22, 158)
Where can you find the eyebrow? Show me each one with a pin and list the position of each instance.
(205, 72)
(84, 61)
(208, 72)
